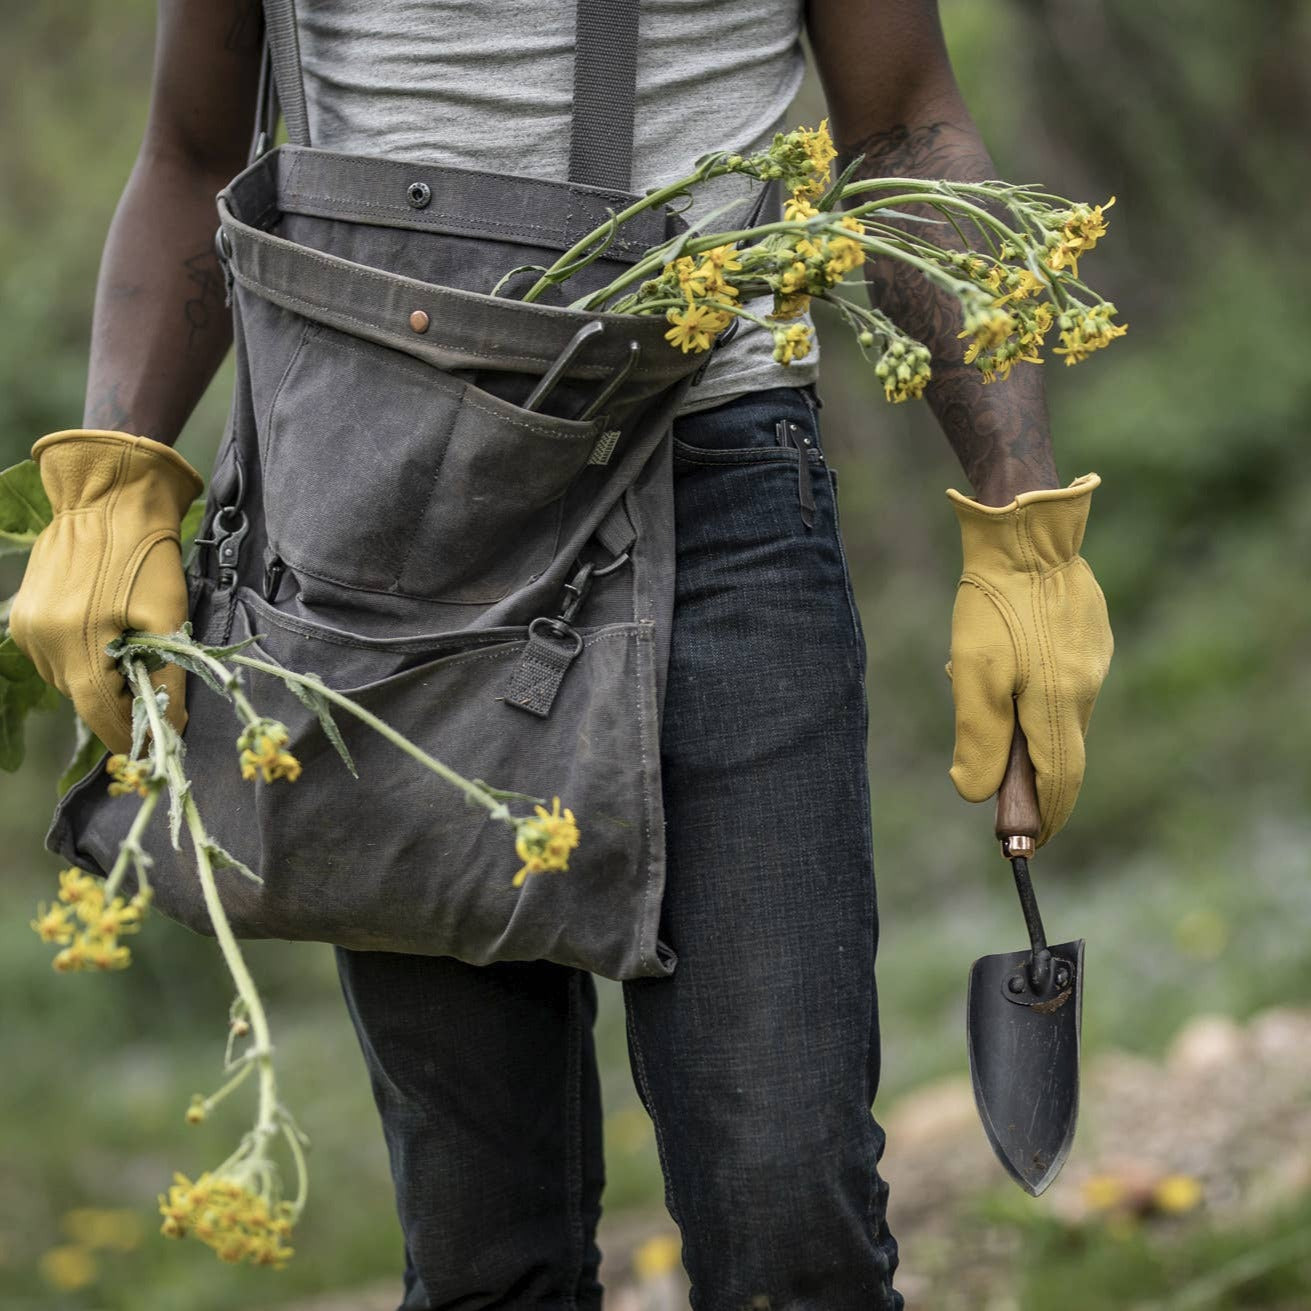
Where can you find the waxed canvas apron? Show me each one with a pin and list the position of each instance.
(386, 513)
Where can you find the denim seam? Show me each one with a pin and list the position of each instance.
(644, 1083)
(573, 1134)
(741, 455)
(846, 574)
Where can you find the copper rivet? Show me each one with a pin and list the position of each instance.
(419, 321)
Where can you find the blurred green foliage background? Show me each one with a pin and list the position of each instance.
(1185, 865)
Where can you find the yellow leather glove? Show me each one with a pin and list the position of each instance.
(110, 559)
(1029, 623)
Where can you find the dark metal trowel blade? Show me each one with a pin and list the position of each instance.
(1024, 1062)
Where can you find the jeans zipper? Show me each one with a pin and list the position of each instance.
(788, 433)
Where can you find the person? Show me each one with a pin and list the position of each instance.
(758, 1059)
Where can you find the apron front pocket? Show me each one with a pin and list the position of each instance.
(385, 474)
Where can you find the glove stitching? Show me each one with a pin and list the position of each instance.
(1037, 591)
(1011, 619)
(95, 658)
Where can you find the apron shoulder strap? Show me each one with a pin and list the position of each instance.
(604, 96)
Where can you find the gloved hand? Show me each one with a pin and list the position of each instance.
(110, 559)
(1029, 623)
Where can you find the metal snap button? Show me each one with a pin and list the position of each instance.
(418, 194)
(419, 321)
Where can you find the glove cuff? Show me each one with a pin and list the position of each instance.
(80, 466)
(1037, 532)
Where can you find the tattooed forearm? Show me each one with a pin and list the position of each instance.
(1000, 431)
(105, 410)
(206, 303)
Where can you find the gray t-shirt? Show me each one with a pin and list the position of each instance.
(488, 84)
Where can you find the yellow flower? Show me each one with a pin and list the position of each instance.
(792, 343)
(694, 328)
(1091, 330)
(657, 1256)
(988, 326)
(843, 256)
(73, 957)
(228, 1217)
(1082, 227)
(52, 924)
(118, 917)
(727, 259)
(904, 370)
(75, 885)
(797, 207)
(691, 275)
(1101, 1192)
(113, 1230)
(818, 145)
(790, 307)
(1177, 1193)
(794, 278)
(68, 1267)
(262, 753)
(129, 776)
(544, 840)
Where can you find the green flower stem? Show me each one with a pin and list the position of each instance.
(247, 1064)
(498, 809)
(165, 746)
(696, 245)
(302, 1168)
(649, 201)
(130, 850)
(150, 642)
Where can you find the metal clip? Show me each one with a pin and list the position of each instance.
(223, 249)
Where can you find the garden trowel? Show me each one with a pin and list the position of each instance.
(1023, 1014)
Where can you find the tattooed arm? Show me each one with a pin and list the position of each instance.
(159, 328)
(892, 97)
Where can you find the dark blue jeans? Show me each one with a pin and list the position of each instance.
(758, 1058)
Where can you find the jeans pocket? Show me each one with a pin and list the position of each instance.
(747, 429)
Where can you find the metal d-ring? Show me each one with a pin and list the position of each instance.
(557, 628)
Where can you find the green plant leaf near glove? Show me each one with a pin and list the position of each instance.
(1029, 636)
(24, 508)
(22, 689)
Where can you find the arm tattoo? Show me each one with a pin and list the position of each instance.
(999, 432)
(206, 278)
(105, 410)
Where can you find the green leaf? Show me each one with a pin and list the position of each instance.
(830, 197)
(319, 705)
(24, 508)
(86, 756)
(221, 858)
(191, 521)
(503, 794)
(21, 690)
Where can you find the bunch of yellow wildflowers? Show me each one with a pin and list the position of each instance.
(1018, 282)
(223, 1211)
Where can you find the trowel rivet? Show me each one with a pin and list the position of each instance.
(1015, 983)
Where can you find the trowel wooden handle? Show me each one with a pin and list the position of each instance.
(1017, 798)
